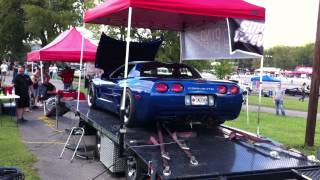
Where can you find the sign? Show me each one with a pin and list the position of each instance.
(207, 42)
(246, 36)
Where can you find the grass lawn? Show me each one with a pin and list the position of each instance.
(289, 103)
(13, 153)
(286, 130)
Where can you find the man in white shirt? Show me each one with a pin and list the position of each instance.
(278, 100)
(4, 70)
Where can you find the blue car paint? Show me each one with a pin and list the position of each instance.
(153, 105)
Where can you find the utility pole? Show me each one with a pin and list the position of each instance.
(314, 90)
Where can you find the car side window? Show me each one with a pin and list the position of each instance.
(119, 73)
(185, 72)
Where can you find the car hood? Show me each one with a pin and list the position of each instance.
(111, 52)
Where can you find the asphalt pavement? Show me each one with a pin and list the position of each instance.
(46, 141)
(290, 113)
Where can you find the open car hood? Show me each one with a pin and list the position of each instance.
(111, 52)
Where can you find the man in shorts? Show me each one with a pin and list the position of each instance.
(21, 83)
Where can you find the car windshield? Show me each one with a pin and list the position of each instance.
(155, 69)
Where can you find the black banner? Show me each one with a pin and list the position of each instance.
(246, 35)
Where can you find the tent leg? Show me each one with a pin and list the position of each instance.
(41, 74)
(80, 73)
(123, 100)
(260, 94)
(247, 104)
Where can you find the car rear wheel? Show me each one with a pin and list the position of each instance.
(50, 106)
(134, 169)
(91, 96)
(129, 111)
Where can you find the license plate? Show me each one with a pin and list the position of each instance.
(199, 100)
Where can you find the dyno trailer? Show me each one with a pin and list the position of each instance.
(190, 151)
(193, 151)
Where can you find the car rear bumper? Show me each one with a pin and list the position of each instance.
(165, 107)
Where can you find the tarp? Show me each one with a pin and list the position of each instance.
(65, 48)
(208, 42)
(111, 52)
(171, 14)
(265, 78)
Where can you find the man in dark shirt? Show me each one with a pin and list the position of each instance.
(46, 89)
(21, 85)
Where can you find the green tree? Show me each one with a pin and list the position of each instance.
(222, 69)
(11, 30)
(46, 19)
(287, 57)
(200, 64)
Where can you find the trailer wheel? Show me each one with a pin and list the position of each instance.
(91, 96)
(134, 169)
(50, 106)
(129, 111)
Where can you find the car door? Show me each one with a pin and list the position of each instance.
(117, 77)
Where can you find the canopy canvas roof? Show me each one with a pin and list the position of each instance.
(65, 48)
(171, 14)
(265, 78)
(303, 70)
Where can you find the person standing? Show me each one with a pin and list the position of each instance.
(15, 70)
(54, 71)
(67, 78)
(51, 71)
(4, 70)
(303, 92)
(278, 100)
(21, 84)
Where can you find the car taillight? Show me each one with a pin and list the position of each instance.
(177, 88)
(234, 89)
(222, 89)
(161, 87)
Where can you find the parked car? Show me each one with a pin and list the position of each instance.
(162, 91)
(296, 91)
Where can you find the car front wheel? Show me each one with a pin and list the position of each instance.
(91, 96)
(129, 110)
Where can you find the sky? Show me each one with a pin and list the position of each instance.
(289, 22)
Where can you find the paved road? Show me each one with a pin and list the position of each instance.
(46, 142)
(291, 113)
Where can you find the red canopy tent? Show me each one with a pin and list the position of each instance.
(65, 48)
(171, 14)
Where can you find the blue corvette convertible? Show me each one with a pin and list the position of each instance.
(166, 92)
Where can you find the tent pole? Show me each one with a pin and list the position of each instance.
(41, 71)
(80, 72)
(41, 76)
(181, 34)
(81, 60)
(247, 104)
(260, 94)
(123, 101)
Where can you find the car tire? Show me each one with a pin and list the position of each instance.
(92, 96)
(130, 109)
(134, 169)
(50, 106)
